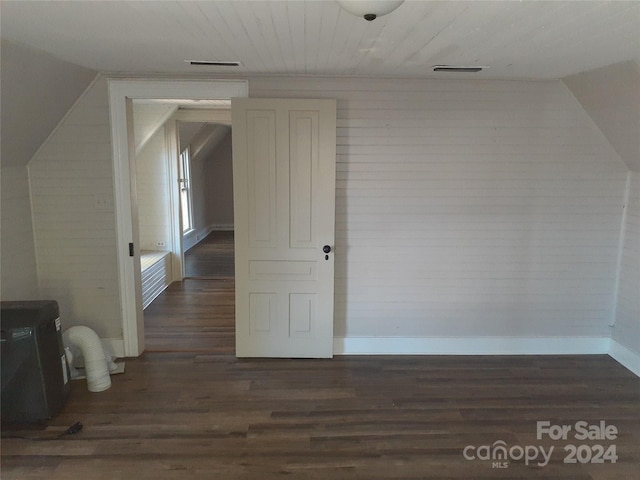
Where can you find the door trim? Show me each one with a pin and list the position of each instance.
(121, 91)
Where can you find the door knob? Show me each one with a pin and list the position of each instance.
(326, 249)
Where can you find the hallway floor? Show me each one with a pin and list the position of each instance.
(198, 314)
(212, 257)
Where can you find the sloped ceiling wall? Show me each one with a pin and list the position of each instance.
(611, 97)
(208, 138)
(187, 132)
(37, 91)
(147, 119)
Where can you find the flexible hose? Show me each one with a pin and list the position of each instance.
(95, 361)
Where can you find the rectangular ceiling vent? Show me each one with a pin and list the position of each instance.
(457, 68)
(208, 63)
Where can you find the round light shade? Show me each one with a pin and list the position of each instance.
(378, 8)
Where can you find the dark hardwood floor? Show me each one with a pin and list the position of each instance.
(212, 258)
(197, 314)
(187, 409)
(188, 416)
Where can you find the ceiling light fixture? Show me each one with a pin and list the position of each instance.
(369, 9)
(456, 68)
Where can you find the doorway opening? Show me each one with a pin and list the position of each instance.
(206, 188)
(193, 311)
(122, 92)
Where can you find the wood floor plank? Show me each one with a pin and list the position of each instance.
(212, 258)
(185, 415)
(195, 315)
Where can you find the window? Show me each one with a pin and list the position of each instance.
(185, 191)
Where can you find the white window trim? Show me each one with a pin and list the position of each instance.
(185, 174)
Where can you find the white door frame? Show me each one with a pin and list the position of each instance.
(121, 92)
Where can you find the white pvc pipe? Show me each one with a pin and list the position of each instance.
(95, 361)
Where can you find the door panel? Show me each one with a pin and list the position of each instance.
(262, 308)
(261, 169)
(303, 128)
(284, 196)
(282, 270)
(304, 314)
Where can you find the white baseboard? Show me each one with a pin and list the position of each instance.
(470, 346)
(625, 357)
(194, 237)
(227, 227)
(113, 347)
(629, 359)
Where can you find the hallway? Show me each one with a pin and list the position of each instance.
(212, 257)
(198, 314)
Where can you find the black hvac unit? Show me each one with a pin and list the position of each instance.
(35, 375)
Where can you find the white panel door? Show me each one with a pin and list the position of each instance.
(284, 204)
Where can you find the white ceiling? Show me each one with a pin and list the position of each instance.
(527, 39)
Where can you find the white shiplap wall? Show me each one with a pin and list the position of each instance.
(464, 209)
(152, 186)
(19, 278)
(469, 208)
(74, 227)
(627, 327)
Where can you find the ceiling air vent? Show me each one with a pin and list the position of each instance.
(213, 63)
(457, 68)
